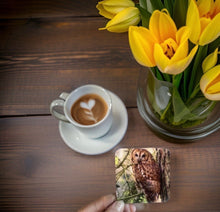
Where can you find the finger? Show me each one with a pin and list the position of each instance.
(127, 208)
(130, 208)
(99, 205)
(117, 206)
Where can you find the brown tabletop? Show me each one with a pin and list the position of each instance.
(47, 47)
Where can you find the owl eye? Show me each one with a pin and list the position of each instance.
(136, 155)
(143, 156)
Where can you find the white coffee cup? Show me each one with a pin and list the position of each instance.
(66, 102)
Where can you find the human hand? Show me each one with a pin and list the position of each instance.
(108, 203)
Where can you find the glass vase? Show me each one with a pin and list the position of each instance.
(161, 106)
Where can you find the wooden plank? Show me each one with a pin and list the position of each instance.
(39, 172)
(46, 8)
(44, 57)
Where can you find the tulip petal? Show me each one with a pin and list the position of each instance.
(181, 52)
(103, 12)
(204, 23)
(115, 6)
(162, 61)
(113, 9)
(118, 3)
(120, 23)
(167, 27)
(213, 97)
(216, 7)
(109, 8)
(153, 24)
(182, 40)
(211, 32)
(210, 61)
(179, 66)
(142, 44)
(204, 6)
(193, 21)
(162, 26)
(182, 34)
(214, 88)
(209, 83)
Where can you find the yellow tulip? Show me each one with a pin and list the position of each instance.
(161, 45)
(121, 22)
(203, 18)
(210, 83)
(109, 8)
(142, 45)
(210, 61)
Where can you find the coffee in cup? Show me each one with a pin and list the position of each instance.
(88, 108)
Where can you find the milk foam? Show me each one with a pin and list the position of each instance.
(88, 114)
(89, 109)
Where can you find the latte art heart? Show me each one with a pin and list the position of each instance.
(88, 105)
(89, 109)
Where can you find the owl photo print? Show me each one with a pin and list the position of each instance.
(142, 175)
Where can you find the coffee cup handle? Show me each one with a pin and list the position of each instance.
(59, 103)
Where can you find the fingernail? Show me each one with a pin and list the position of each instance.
(127, 208)
(133, 208)
(119, 206)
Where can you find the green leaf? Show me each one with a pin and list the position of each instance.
(169, 5)
(186, 75)
(181, 112)
(159, 76)
(157, 4)
(157, 73)
(145, 16)
(143, 4)
(194, 93)
(158, 93)
(192, 113)
(169, 106)
(177, 79)
(212, 46)
(167, 77)
(179, 12)
(200, 107)
(197, 68)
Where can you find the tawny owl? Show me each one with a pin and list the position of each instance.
(147, 173)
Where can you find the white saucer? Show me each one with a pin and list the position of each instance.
(79, 143)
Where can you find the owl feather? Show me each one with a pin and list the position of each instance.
(147, 173)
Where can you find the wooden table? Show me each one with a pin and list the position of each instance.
(47, 47)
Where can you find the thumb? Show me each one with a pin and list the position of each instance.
(117, 206)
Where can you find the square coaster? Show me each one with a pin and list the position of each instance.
(142, 175)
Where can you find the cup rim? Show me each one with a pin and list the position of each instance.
(72, 121)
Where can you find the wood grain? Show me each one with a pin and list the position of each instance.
(38, 172)
(42, 58)
(47, 47)
(12, 9)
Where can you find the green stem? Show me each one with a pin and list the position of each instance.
(185, 82)
(167, 77)
(194, 93)
(196, 66)
(163, 116)
(161, 76)
(177, 79)
(157, 73)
